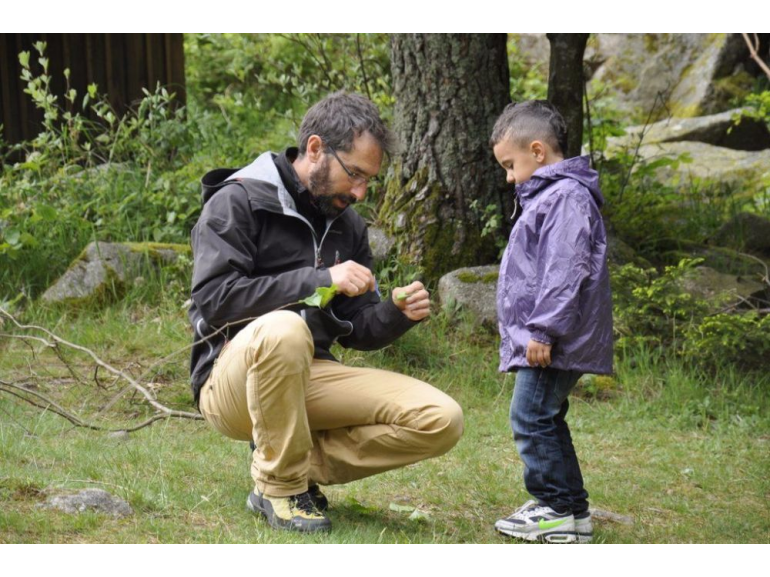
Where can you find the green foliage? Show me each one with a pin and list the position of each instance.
(112, 178)
(742, 340)
(285, 72)
(395, 272)
(756, 106)
(528, 81)
(491, 218)
(652, 310)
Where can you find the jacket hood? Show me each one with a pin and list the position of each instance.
(576, 168)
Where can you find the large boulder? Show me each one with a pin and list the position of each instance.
(471, 289)
(103, 269)
(706, 283)
(717, 129)
(684, 74)
(707, 162)
(694, 74)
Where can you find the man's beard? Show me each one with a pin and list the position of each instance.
(321, 191)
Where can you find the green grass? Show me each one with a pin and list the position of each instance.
(660, 444)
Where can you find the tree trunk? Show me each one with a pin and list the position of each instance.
(565, 85)
(449, 89)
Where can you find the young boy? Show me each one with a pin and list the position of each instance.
(554, 312)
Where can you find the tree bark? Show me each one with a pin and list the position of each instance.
(565, 85)
(449, 89)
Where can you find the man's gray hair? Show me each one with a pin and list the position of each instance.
(341, 117)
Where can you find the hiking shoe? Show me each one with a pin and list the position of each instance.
(295, 513)
(533, 522)
(319, 499)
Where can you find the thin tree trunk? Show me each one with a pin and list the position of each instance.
(565, 84)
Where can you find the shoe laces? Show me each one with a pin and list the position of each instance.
(304, 503)
(528, 510)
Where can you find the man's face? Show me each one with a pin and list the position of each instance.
(332, 188)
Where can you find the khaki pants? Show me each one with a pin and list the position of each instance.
(319, 420)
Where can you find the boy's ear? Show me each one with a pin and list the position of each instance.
(538, 151)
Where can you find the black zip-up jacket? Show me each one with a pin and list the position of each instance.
(254, 252)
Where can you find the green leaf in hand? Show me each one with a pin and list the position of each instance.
(321, 297)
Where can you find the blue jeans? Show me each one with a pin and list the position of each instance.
(551, 469)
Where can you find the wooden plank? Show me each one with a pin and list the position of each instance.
(135, 71)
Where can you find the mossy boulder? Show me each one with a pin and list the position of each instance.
(717, 129)
(720, 288)
(471, 289)
(104, 270)
(695, 74)
(706, 162)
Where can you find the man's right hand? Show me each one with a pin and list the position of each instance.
(352, 279)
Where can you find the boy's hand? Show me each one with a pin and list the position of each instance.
(538, 354)
(416, 305)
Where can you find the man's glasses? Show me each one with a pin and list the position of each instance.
(354, 177)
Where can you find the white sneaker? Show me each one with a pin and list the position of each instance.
(583, 527)
(533, 522)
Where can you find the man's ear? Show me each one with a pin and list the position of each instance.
(315, 148)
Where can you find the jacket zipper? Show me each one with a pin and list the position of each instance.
(316, 245)
(319, 262)
(515, 207)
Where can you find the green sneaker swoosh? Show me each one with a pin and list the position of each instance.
(543, 524)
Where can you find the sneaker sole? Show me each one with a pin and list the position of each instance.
(584, 537)
(556, 538)
(541, 536)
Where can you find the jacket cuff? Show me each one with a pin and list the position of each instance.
(541, 337)
(323, 277)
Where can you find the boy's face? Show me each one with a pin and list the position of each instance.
(519, 163)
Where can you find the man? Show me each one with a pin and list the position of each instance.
(268, 236)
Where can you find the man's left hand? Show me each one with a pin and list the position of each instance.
(416, 306)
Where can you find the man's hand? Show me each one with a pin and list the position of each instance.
(352, 279)
(416, 305)
(538, 354)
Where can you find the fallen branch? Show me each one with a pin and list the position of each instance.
(56, 342)
(132, 383)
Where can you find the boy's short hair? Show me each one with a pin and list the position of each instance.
(528, 121)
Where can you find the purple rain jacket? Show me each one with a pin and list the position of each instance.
(554, 285)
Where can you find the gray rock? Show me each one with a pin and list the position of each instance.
(103, 266)
(534, 50)
(120, 436)
(694, 73)
(603, 515)
(96, 500)
(706, 283)
(619, 253)
(380, 243)
(474, 290)
(721, 259)
(717, 129)
(736, 167)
